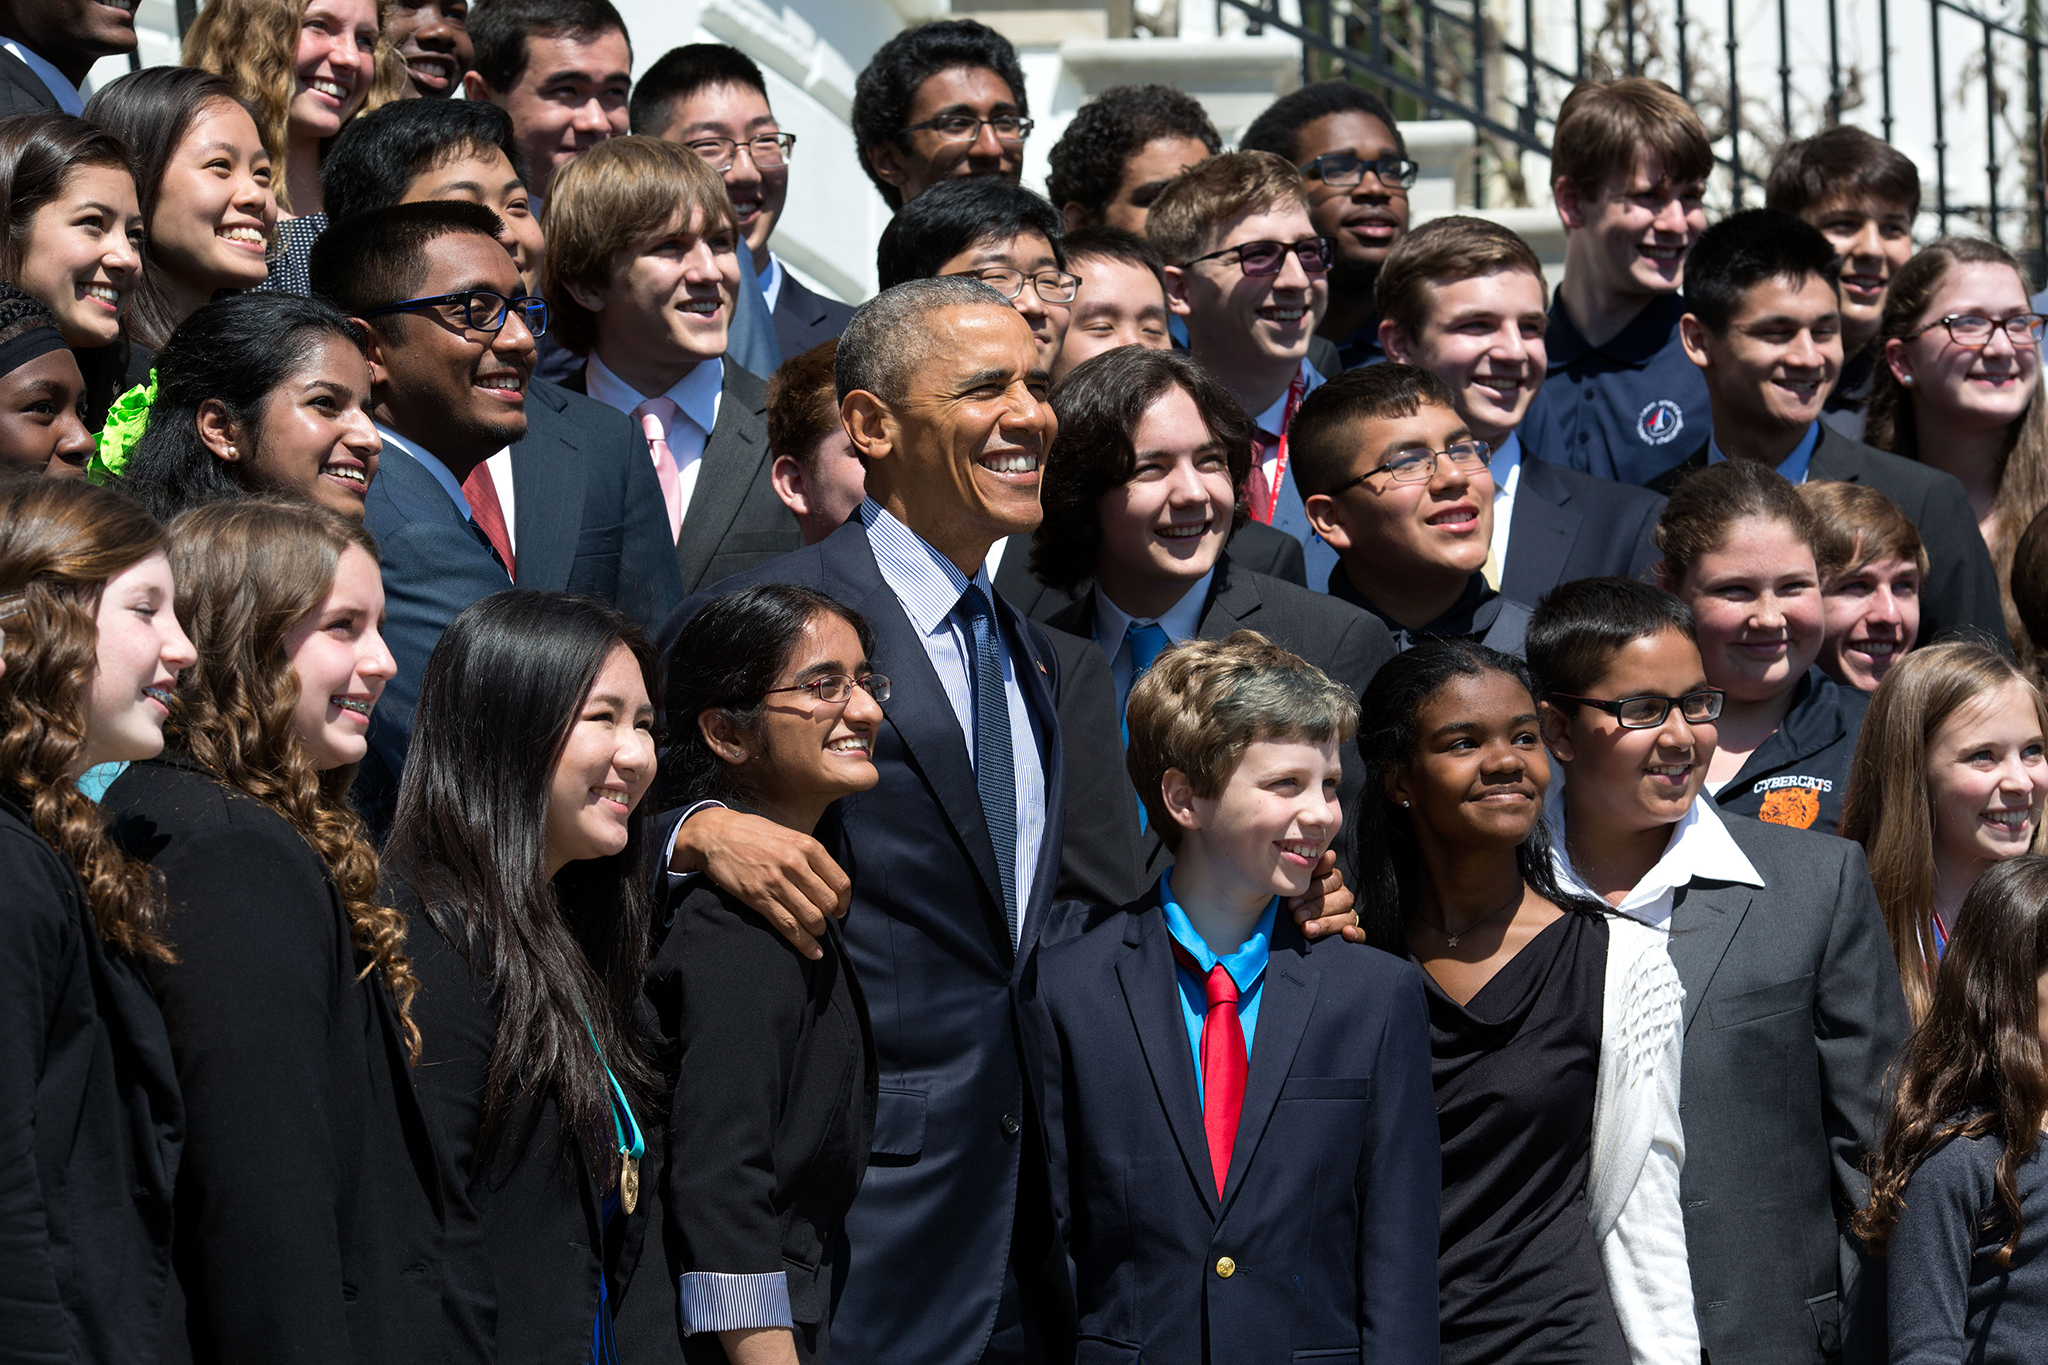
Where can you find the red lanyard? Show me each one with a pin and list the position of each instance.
(1295, 391)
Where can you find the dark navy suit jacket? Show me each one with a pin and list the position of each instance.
(930, 1235)
(1330, 1208)
(588, 518)
(805, 318)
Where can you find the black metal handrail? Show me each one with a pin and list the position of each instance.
(1443, 72)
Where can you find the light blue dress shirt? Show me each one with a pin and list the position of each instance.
(450, 485)
(1793, 466)
(929, 586)
(1247, 968)
(1180, 621)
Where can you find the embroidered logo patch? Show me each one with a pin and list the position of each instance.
(1660, 422)
(1793, 801)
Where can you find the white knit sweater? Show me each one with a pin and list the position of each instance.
(1638, 1148)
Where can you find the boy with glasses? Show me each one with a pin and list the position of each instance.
(1399, 486)
(713, 99)
(1763, 323)
(1248, 274)
(1630, 161)
(1349, 150)
(940, 100)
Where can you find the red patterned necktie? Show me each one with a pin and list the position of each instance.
(1258, 490)
(1224, 1064)
(489, 515)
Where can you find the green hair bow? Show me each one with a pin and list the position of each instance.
(126, 421)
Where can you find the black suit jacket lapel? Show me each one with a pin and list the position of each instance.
(1704, 920)
(1037, 667)
(1541, 532)
(1152, 994)
(1834, 457)
(547, 492)
(1234, 602)
(1675, 475)
(1285, 1000)
(733, 456)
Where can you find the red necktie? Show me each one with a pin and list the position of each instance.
(1224, 1064)
(1258, 491)
(489, 514)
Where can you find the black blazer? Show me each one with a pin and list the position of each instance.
(1254, 545)
(545, 1245)
(90, 1124)
(930, 1235)
(21, 90)
(1961, 591)
(313, 1200)
(1568, 525)
(1100, 861)
(1330, 1207)
(773, 1063)
(734, 522)
(1792, 1013)
(805, 318)
(1346, 643)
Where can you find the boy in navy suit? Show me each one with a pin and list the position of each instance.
(1240, 1124)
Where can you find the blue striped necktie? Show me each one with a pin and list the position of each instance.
(995, 762)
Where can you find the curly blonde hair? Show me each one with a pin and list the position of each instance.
(60, 541)
(248, 570)
(255, 45)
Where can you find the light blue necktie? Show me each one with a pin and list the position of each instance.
(1147, 642)
(995, 763)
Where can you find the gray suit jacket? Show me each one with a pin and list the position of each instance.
(1792, 1013)
(1567, 524)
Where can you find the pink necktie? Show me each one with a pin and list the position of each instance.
(656, 417)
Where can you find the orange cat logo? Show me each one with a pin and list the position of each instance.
(1794, 806)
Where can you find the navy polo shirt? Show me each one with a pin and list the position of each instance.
(1628, 410)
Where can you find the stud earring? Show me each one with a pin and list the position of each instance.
(1907, 381)
(233, 453)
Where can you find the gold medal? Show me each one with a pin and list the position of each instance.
(629, 1181)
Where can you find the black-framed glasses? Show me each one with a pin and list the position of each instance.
(1417, 464)
(1974, 329)
(1266, 258)
(966, 127)
(1054, 286)
(1647, 711)
(483, 310)
(766, 150)
(1342, 170)
(836, 689)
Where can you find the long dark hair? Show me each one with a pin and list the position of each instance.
(1389, 860)
(236, 351)
(564, 959)
(38, 153)
(151, 110)
(1974, 1066)
(727, 658)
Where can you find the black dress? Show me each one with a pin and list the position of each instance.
(774, 1112)
(90, 1124)
(318, 1219)
(557, 1254)
(1518, 1265)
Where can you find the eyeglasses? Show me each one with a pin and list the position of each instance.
(1974, 329)
(1266, 258)
(482, 309)
(1418, 464)
(1647, 712)
(836, 689)
(1342, 170)
(966, 127)
(767, 151)
(1054, 286)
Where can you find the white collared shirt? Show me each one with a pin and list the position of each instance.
(450, 485)
(1793, 466)
(929, 586)
(1180, 622)
(1700, 848)
(1506, 468)
(63, 91)
(1288, 513)
(771, 281)
(696, 393)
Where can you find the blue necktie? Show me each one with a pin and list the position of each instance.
(995, 763)
(1147, 642)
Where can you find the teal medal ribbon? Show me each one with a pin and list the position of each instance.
(622, 1119)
